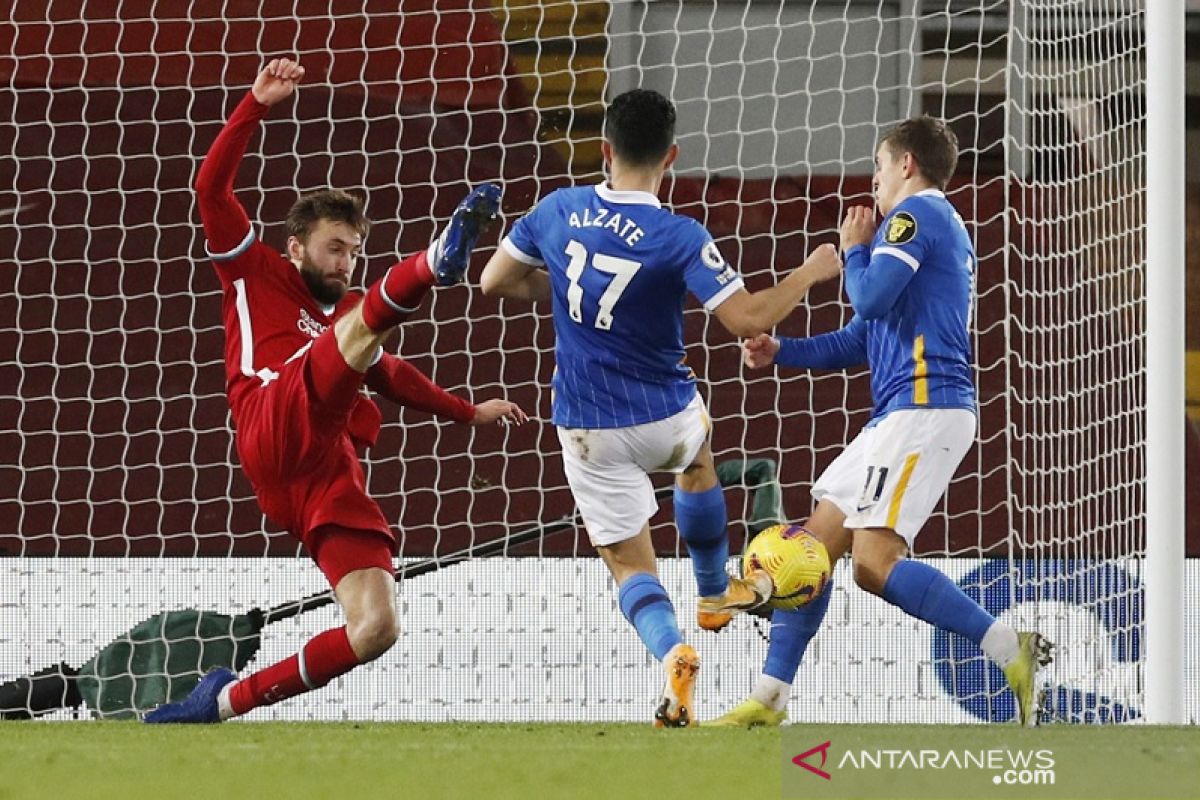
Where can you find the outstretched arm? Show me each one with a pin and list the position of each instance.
(405, 385)
(751, 313)
(226, 225)
(837, 350)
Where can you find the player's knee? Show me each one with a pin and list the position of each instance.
(374, 633)
(870, 575)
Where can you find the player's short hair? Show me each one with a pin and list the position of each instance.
(640, 125)
(932, 144)
(331, 204)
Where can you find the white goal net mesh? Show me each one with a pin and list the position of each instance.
(122, 498)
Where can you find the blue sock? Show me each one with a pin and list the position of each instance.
(701, 519)
(791, 631)
(645, 603)
(927, 594)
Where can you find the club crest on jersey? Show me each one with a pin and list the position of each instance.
(711, 256)
(309, 325)
(900, 229)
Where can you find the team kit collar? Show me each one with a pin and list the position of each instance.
(638, 198)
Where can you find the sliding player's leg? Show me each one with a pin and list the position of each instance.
(392, 298)
(599, 466)
(791, 632)
(358, 564)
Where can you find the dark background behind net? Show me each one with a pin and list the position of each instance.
(115, 438)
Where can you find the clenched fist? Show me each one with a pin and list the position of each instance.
(277, 80)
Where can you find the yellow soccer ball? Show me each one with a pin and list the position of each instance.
(796, 561)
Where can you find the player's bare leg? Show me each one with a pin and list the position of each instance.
(828, 524)
(368, 599)
(708, 544)
(358, 344)
(648, 608)
(876, 551)
(630, 557)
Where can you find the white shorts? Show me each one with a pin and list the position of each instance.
(608, 469)
(893, 474)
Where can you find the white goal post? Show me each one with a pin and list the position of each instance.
(1166, 518)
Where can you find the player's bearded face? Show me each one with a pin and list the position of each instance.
(327, 260)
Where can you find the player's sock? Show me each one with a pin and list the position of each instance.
(791, 631)
(701, 519)
(1001, 644)
(771, 692)
(224, 705)
(927, 594)
(322, 659)
(396, 295)
(645, 603)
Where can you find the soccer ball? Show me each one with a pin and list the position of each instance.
(796, 561)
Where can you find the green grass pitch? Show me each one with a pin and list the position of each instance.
(290, 761)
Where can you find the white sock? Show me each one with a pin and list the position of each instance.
(772, 692)
(1000, 644)
(432, 252)
(223, 704)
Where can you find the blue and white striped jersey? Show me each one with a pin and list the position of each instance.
(620, 268)
(919, 350)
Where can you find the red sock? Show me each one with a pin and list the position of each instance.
(397, 294)
(323, 658)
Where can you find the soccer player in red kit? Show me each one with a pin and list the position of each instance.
(298, 351)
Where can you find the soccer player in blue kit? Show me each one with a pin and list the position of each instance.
(911, 285)
(617, 267)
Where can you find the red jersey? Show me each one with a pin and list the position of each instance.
(298, 449)
(270, 315)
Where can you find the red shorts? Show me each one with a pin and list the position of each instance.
(339, 552)
(296, 445)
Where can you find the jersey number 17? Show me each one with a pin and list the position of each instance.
(621, 269)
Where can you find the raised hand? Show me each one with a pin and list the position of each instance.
(858, 227)
(759, 351)
(823, 264)
(277, 81)
(498, 411)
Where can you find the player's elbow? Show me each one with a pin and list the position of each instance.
(496, 278)
(745, 316)
(204, 184)
(747, 327)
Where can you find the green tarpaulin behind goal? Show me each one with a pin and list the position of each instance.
(161, 657)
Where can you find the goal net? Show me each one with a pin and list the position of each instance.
(122, 497)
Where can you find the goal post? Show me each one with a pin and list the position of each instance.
(122, 497)
(1166, 517)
